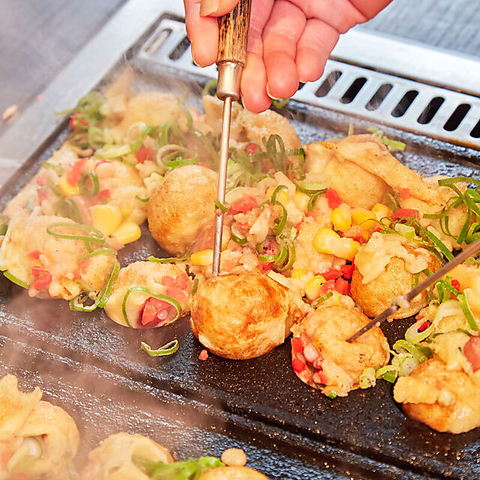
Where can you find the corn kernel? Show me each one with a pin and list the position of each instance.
(301, 200)
(202, 258)
(380, 211)
(364, 218)
(282, 195)
(127, 232)
(342, 217)
(126, 209)
(314, 286)
(347, 248)
(107, 218)
(328, 241)
(67, 189)
(299, 273)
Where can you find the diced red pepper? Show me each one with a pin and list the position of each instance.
(404, 193)
(455, 284)
(424, 326)
(341, 286)
(297, 345)
(347, 271)
(168, 281)
(298, 365)
(327, 286)
(74, 120)
(35, 254)
(333, 198)
(203, 355)
(251, 148)
(42, 194)
(244, 205)
(37, 271)
(182, 280)
(154, 310)
(103, 194)
(331, 274)
(265, 267)
(405, 212)
(41, 181)
(145, 153)
(75, 171)
(43, 281)
(177, 293)
(323, 378)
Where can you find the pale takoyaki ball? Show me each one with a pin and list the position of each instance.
(113, 459)
(376, 296)
(182, 208)
(142, 310)
(232, 473)
(328, 361)
(59, 257)
(355, 185)
(245, 315)
(445, 400)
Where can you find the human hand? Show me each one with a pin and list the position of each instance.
(289, 40)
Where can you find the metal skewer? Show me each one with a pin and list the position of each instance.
(232, 54)
(402, 301)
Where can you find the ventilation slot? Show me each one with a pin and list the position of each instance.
(457, 116)
(404, 104)
(352, 92)
(379, 97)
(328, 83)
(432, 108)
(180, 49)
(475, 133)
(157, 41)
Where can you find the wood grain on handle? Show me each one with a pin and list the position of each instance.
(233, 35)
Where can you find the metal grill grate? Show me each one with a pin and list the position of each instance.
(378, 96)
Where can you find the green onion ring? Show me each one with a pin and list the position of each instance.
(321, 299)
(16, 280)
(96, 237)
(220, 206)
(237, 239)
(467, 312)
(169, 259)
(441, 246)
(280, 224)
(107, 289)
(58, 169)
(163, 351)
(273, 199)
(73, 212)
(142, 199)
(99, 251)
(84, 188)
(291, 259)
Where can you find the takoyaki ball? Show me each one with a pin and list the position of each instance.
(245, 315)
(113, 459)
(182, 208)
(355, 185)
(394, 280)
(322, 357)
(51, 266)
(444, 399)
(232, 473)
(142, 310)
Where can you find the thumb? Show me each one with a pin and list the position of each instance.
(216, 8)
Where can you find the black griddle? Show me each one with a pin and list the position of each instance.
(96, 370)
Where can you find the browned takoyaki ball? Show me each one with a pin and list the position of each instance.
(241, 316)
(182, 209)
(376, 296)
(232, 473)
(445, 400)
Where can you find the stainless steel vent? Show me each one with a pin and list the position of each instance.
(430, 106)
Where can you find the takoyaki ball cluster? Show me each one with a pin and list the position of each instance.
(242, 316)
(133, 302)
(232, 473)
(444, 399)
(181, 211)
(37, 429)
(383, 271)
(322, 357)
(114, 458)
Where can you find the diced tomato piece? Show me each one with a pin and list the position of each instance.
(37, 271)
(103, 194)
(424, 326)
(327, 286)
(35, 254)
(74, 119)
(298, 365)
(182, 280)
(42, 194)
(360, 239)
(203, 355)
(244, 205)
(145, 153)
(331, 274)
(41, 181)
(154, 310)
(455, 284)
(42, 281)
(168, 281)
(405, 212)
(323, 378)
(251, 148)
(75, 171)
(347, 271)
(297, 345)
(177, 293)
(472, 351)
(333, 198)
(404, 193)
(341, 286)
(265, 267)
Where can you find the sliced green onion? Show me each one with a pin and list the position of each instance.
(278, 189)
(188, 470)
(169, 259)
(367, 378)
(237, 238)
(220, 206)
(282, 256)
(142, 199)
(467, 312)
(16, 280)
(388, 373)
(321, 299)
(89, 104)
(99, 251)
(107, 289)
(440, 245)
(411, 349)
(280, 223)
(95, 237)
(95, 137)
(313, 201)
(88, 184)
(412, 334)
(54, 187)
(4, 220)
(332, 395)
(113, 152)
(196, 283)
(405, 230)
(163, 351)
(58, 169)
(68, 208)
(280, 102)
(291, 260)
(159, 296)
(267, 258)
(187, 113)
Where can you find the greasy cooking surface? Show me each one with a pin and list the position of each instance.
(260, 395)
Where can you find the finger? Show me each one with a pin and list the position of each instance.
(314, 47)
(254, 84)
(203, 34)
(282, 32)
(216, 8)
(260, 14)
(370, 8)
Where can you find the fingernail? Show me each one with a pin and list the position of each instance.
(208, 7)
(271, 96)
